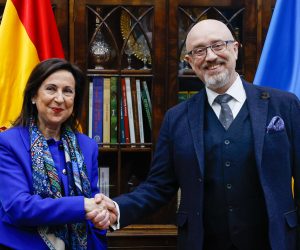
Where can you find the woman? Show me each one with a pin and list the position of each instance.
(48, 170)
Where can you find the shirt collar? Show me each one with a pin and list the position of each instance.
(236, 90)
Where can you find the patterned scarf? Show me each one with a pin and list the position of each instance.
(46, 183)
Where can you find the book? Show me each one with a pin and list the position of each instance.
(103, 180)
(146, 108)
(122, 128)
(106, 110)
(135, 110)
(97, 118)
(147, 95)
(193, 92)
(182, 95)
(113, 110)
(125, 111)
(129, 109)
(90, 129)
(140, 111)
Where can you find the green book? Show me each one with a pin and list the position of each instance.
(182, 96)
(146, 107)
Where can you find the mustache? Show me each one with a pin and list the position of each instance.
(218, 61)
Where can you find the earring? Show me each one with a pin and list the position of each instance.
(33, 102)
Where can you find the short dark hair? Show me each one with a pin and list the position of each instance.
(36, 78)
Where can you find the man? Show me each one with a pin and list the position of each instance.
(232, 155)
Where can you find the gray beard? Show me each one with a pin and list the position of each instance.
(217, 81)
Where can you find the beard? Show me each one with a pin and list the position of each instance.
(217, 81)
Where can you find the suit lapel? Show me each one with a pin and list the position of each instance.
(196, 121)
(258, 101)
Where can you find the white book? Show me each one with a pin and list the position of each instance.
(103, 180)
(139, 108)
(130, 111)
(91, 110)
(148, 95)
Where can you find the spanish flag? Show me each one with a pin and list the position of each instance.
(28, 35)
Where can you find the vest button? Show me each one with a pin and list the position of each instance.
(230, 208)
(226, 142)
(228, 186)
(227, 164)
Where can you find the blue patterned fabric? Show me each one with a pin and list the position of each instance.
(47, 185)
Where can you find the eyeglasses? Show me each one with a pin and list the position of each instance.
(217, 47)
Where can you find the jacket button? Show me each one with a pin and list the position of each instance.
(64, 171)
(228, 186)
(226, 142)
(227, 164)
(199, 179)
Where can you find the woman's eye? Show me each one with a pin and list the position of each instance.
(69, 91)
(51, 88)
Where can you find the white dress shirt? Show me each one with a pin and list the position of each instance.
(238, 93)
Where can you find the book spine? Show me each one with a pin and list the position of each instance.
(135, 110)
(139, 108)
(148, 95)
(122, 128)
(106, 110)
(182, 95)
(130, 111)
(113, 110)
(146, 108)
(91, 110)
(125, 111)
(97, 109)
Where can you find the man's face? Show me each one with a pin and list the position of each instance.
(216, 68)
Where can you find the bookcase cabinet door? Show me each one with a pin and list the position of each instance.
(241, 18)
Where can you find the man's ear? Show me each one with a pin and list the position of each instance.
(188, 59)
(236, 50)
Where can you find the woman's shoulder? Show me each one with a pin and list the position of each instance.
(84, 139)
(14, 132)
(15, 137)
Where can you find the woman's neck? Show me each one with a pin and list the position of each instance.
(50, 132)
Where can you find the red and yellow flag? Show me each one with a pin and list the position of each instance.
(28, 35)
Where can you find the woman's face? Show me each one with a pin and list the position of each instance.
(55, 100)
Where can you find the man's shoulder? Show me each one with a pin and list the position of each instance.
(269, 92)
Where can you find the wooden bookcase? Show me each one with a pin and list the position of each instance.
(164, 24)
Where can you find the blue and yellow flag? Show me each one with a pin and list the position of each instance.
(279, 65)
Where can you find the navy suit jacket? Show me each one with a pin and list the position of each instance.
(179, 162)
(21, 211)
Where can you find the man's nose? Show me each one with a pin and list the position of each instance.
(210, 55)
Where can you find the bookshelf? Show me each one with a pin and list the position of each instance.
(160, 26)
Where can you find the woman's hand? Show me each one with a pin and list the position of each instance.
(97, 213)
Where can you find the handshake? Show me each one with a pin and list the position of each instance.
(101, 211)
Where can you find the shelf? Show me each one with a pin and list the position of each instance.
(145, 230)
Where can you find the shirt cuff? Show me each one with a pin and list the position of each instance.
(116, 226)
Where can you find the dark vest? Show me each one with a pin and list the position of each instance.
(234, 207)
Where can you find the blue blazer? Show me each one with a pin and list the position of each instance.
(179, 162)
(21, 211)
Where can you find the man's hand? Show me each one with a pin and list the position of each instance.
(103, 221)
(97, 213)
